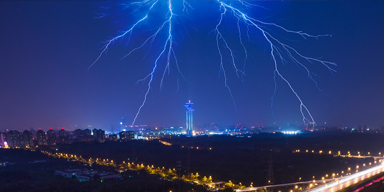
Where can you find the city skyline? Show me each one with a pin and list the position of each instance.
(45, 82)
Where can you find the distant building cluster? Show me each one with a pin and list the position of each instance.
(12, 139)
(31, 138)
(83, 135)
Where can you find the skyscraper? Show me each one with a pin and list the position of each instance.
(126, 135)
(99, 135)
(27, 139)
(41, 137)
(189, 120)
(2, 138)
(63, 137)
(13, 138)
(51, 134)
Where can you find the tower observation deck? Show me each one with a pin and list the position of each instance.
(189, 120)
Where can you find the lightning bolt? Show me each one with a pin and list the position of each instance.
(125, 33)
(167, 45)
(166, 51)
(277, 50)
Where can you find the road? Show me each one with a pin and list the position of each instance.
(284, 185)
(332, 185)
(360, 157)
(346, 181)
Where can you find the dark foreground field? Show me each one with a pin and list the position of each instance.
(242, 159)
(27, 175)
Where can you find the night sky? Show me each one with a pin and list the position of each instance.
(47, 47)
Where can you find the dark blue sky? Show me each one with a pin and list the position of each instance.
(47, 46)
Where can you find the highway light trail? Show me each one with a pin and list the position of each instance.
(284, 185)
(280, 52)
(332, 186)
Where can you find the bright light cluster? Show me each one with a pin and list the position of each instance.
(290, 132)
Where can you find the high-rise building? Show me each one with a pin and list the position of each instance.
(63, 133)
(27, 139)
(113, 137)
(33, 133)
(83, 135)
(94, 133)
(63, 137)
(189, 120)
(10, 139)
(99, 135)
(51, 134)
(13, 139)
(79, 134)
(41, 137)
(87, 132)
(88, 137)
(126, 135)
(2, 138)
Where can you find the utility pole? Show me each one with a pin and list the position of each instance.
(270, 178)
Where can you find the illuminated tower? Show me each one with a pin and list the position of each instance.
(189, 115)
